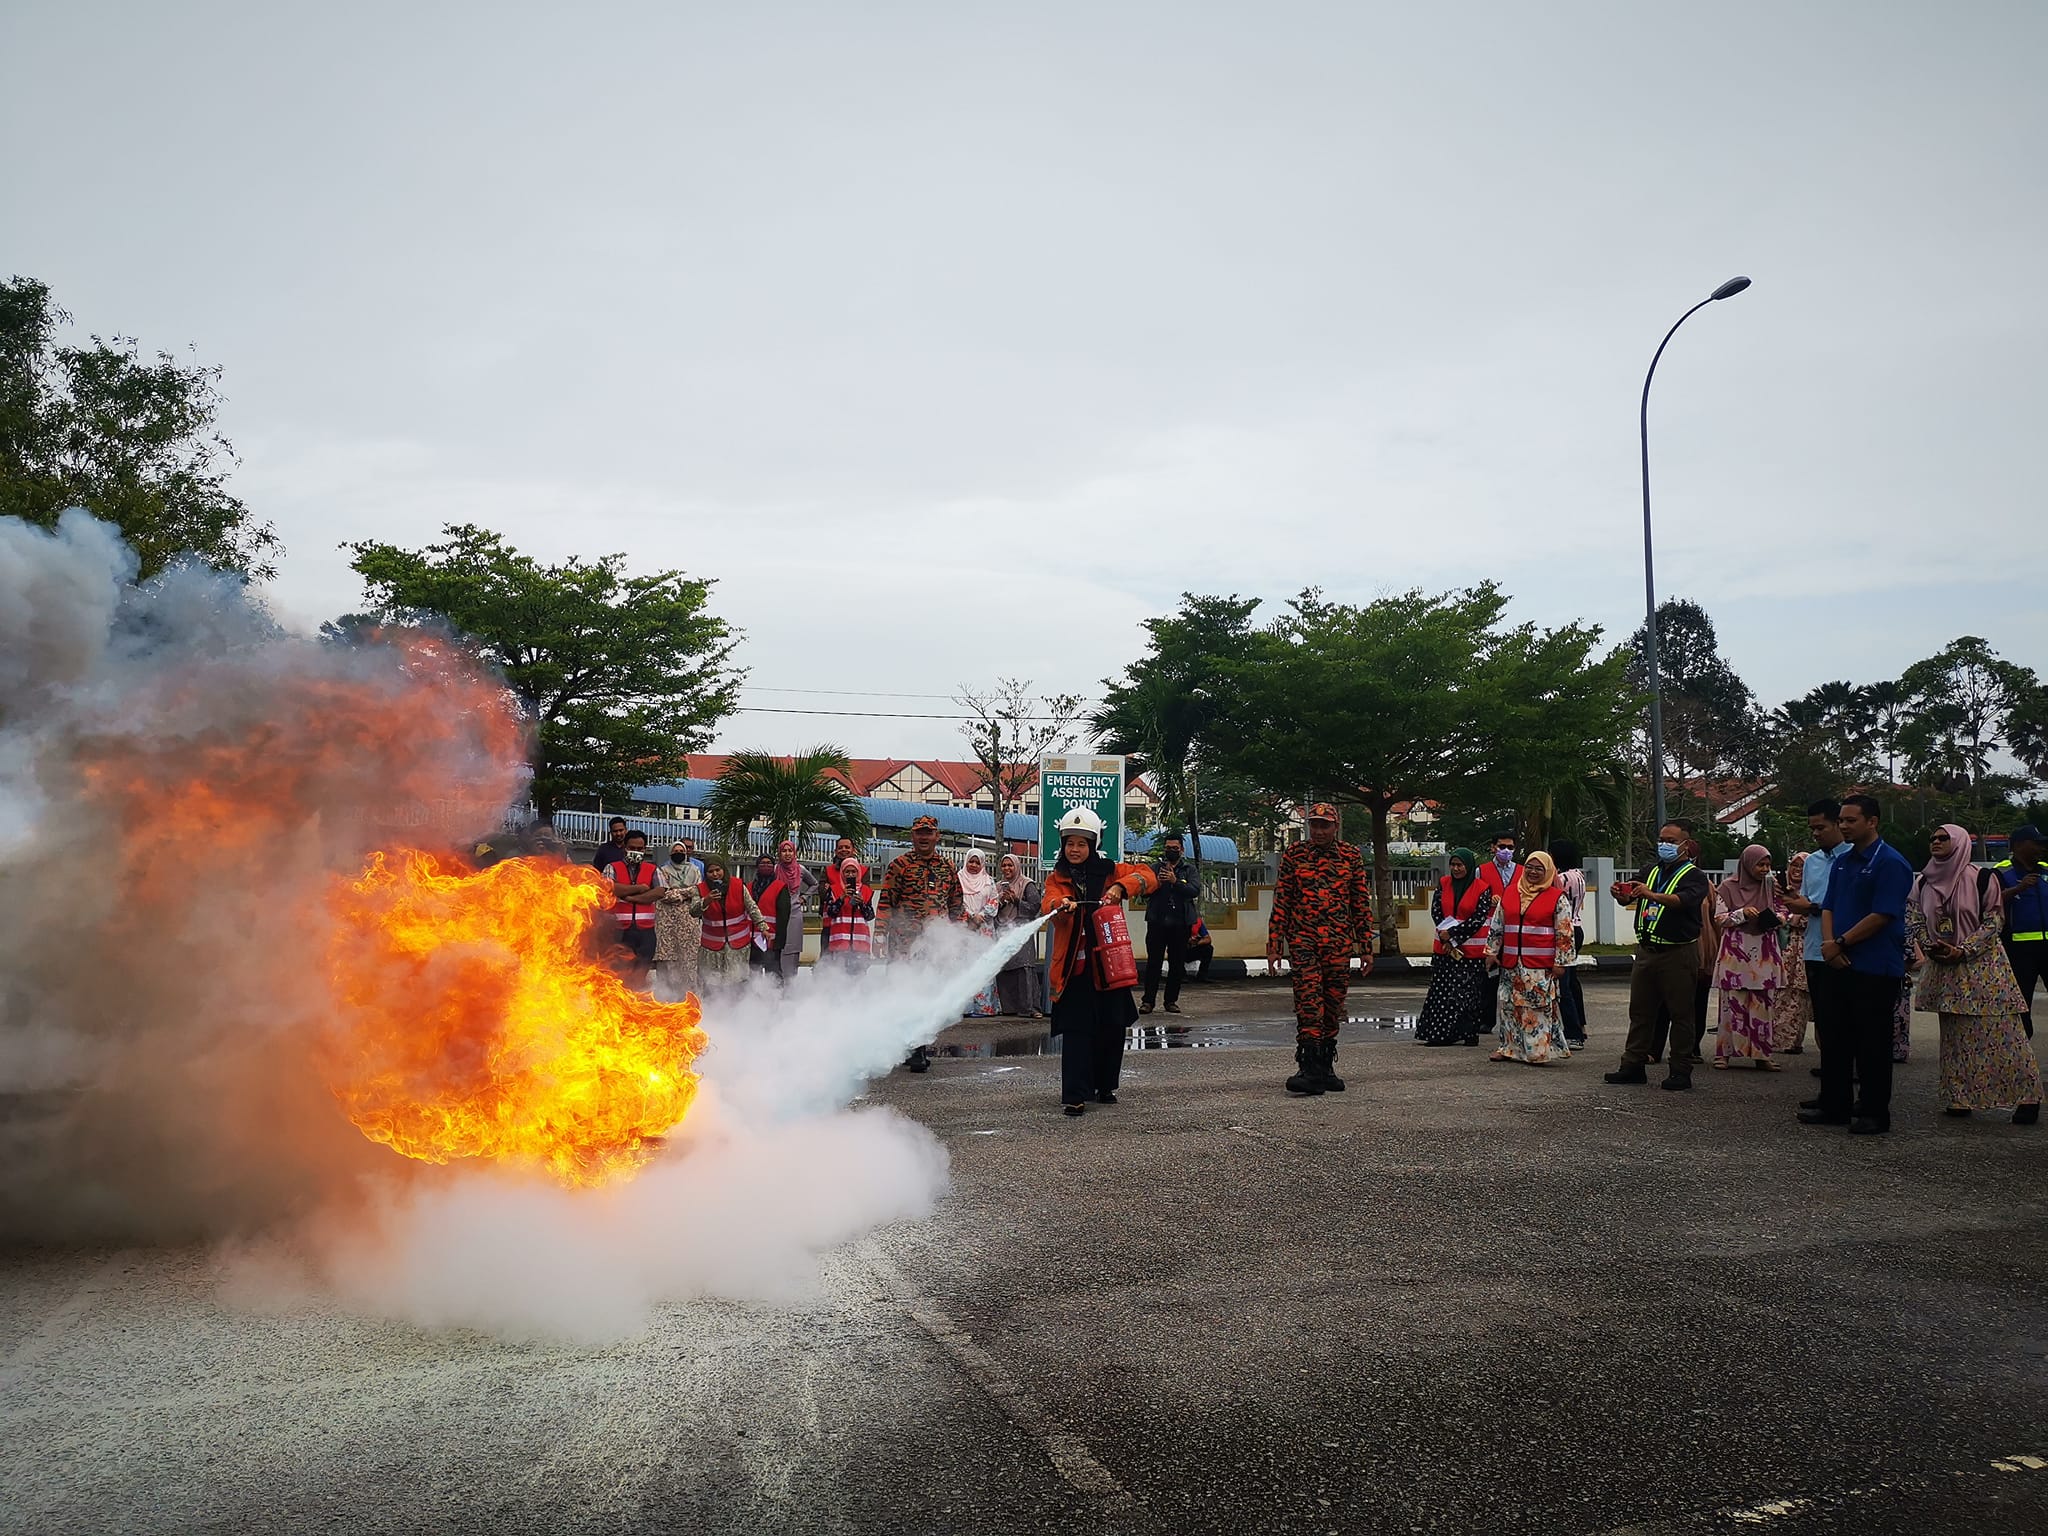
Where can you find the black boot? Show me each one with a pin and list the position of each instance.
(1327, 1061)
(919, 1060)
(1308, 1076)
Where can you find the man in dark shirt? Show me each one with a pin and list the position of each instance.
(613, 850)
(1670, 902)
(2026, 913)
(1863, 941)
(1169, 915)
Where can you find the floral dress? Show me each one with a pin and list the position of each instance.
(1455, 1008)
(1527, 1022)
(1749, 971)
(678, 937)
(1987, 1061)
(1792, 1004)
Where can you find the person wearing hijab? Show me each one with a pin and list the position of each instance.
(1571, 879)
(1528, 939)
(978, 899)
(846, 919)
(726, 930)
(775, 903)
(1792, 1003)
(1953, 921)
(678, 930)
(1090, 1018)
(1749, 962)
(1461, 905)
(1017, 899)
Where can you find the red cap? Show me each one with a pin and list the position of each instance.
(1321, 812)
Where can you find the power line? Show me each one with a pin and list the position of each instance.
(867, 714)
(846, 693)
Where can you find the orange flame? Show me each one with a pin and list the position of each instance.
(474, 1026)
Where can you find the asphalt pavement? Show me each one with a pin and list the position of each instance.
(1460, 1297)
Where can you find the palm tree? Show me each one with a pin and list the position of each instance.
(1890, 705)
(793, 797)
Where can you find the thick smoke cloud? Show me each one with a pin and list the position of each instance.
(180, 785)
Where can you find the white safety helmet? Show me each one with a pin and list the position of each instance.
(1084, 821)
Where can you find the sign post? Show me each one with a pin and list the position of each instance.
(1065, 782)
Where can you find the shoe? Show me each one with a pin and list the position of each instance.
(1308, 1077)
(1106, 1096)
(1963, 1114)
(1327, 1060)
(1173, 1007)
(919, 1060)
(1863, 1125)
(1793, 1050)
(1809, 1103)
(1145, 1007)
(1441, 1042)
(2027, 1114)
(1676, 1082)
(1469, 1040)
(1077, 1109)
(1821, 1117)
(1627, 1074)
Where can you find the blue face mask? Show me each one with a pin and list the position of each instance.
(1667, 852)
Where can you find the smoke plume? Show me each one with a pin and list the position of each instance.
(182, 788)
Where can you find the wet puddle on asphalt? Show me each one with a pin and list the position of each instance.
(1193, 1036)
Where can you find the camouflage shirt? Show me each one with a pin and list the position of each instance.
(917, 889)
(1322, 903)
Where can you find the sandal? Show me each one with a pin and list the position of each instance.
(1077, 1109)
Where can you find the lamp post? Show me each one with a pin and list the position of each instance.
(1727, 290)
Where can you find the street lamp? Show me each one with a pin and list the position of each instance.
(1727, 290)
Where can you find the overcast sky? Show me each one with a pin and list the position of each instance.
(1010, 323)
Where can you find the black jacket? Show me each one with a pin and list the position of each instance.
(1173, 904)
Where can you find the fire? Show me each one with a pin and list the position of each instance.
(473, 1025)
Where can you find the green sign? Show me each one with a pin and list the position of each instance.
(1065, 782)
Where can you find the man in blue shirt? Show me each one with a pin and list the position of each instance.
(2026, 913)
(1863, 942)
(1824, 821)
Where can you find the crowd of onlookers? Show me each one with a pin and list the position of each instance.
(1846, 943)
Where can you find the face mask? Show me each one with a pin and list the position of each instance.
(1666, 852)
(1173, 855)
(635, 855)
(1503, 856)
(679, 858)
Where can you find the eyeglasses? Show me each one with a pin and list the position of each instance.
(1940, 837)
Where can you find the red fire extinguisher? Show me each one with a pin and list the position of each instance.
(1116, 967)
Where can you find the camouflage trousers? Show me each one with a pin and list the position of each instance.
(1320, 988)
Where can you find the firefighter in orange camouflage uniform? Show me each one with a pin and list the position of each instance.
(1322, 916)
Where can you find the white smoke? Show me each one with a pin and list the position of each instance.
(179, 783)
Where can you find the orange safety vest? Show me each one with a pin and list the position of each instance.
(1464, 911)
(634, 914)
(1529, 939)
(846, 931)
(729, 927)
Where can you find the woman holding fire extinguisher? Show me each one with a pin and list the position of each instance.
(1093, 971)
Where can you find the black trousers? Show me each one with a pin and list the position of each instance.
(1571, 1005)
(1165, 943)
(2029, 964)
(1856, 1045)
(1091, 1026)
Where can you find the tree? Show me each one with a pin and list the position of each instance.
(1415, 697)
(1962, 695)
(2026, 728)
(620, 677)
(1009, 731)
(1162, 713)
(131, 439)
(794, 797)
(1888, 705)
(1710, 714)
